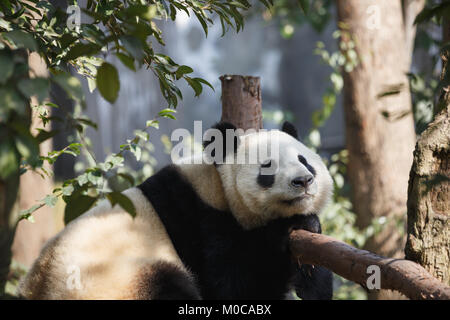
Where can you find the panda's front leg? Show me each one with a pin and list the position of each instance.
(312, 282)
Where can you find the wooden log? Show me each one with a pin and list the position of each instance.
(401, 275)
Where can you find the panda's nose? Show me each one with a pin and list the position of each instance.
(303, 181)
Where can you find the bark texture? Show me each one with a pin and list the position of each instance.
(404, 276)
(429, 190)
(380, 133)
(241, 101)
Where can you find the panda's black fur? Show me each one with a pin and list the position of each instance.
(228, 261)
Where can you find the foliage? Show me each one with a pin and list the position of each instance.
(433, 11)
(429, 83)
(423, 93)
(316, 13)
(16, 273)
(126, 29)
(343, 60)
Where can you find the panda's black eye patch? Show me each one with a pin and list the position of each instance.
(306, 164)
(302, 160)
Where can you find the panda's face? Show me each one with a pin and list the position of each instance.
(280, 177)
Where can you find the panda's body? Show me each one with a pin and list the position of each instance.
(201, 231)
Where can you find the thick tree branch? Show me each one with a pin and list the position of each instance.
(404, 276)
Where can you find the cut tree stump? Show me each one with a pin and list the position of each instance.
(241, 101)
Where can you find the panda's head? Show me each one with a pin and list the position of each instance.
(271, 174)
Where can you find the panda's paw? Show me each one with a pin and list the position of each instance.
(313, 283)
(308, 222)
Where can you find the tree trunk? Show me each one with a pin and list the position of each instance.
(380, 147)
(241, 101)
(30, 237)
(8, 195)
(429, 189)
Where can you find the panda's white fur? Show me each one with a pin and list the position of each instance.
(113, 254)
(102, 254)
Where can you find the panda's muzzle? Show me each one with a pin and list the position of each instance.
(303, 181)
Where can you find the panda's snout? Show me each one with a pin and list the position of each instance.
(303, 181)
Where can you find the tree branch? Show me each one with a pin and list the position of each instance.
(404, 276)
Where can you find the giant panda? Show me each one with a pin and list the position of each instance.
(202, 231)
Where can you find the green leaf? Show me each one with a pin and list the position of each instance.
(133, 46)
(69, 84)
(182, 70)
(50, 200)
(76, 206)
(304, 4)
(6, 66)
(205, 82)
(10, 99)
(9, 160)
(152, 123)
(52, 105)
(116, 160)
(27, 145)
(108, 82)
(202, 22)
(434, 11)
(147, 12)
(167, 110)
(166, 59)
(67, 190)
(21, 39)
(82, 49)
(142, 135)
(123, 201)
(127, 177)
(45, 135)
(92, 84)
(137, 151)
(238, 4)
(87, 122)
(167, 113)
(195, 84)
(126, 60)
(38, 87)
(67, 39)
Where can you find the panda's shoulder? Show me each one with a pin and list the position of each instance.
(185, 183)
(165, 183)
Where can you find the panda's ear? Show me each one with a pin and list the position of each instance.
(289, 129)
(223, 127)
